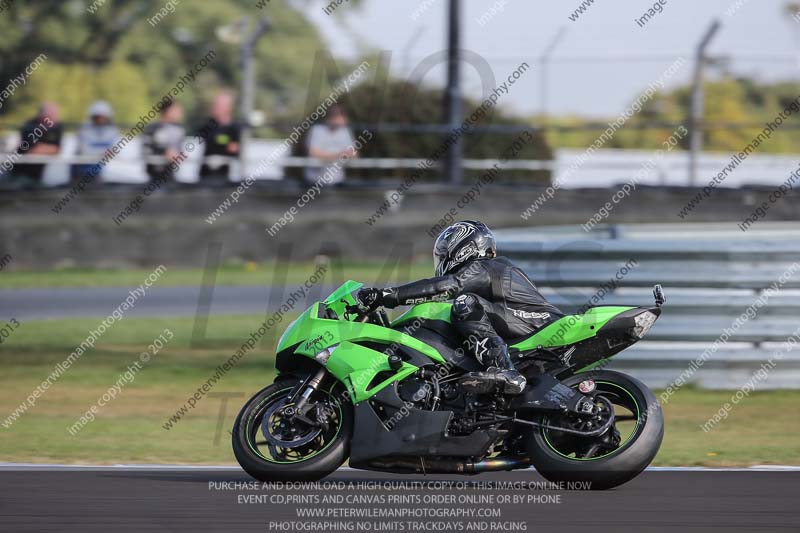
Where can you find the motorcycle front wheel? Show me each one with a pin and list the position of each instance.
(272, 445)
(611, 459)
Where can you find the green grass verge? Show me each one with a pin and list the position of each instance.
(244, 274)
(761, 429)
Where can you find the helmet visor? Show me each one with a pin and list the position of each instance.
(440, 256)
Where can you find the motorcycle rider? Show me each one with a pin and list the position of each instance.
(494, 300)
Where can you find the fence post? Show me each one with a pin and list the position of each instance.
(453, 113)
(698, 97)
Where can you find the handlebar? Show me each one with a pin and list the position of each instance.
(359, 311)
(363, 316)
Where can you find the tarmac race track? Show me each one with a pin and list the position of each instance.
(163, 498)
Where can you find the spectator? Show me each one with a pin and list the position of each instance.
(329, 142)
(96, 137)
(165, 138)
(222, 136)
(39, 136)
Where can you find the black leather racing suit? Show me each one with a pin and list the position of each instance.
(492, 298)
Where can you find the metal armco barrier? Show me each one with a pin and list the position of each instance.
(723, 286)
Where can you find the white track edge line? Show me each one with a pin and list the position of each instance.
(67, 467)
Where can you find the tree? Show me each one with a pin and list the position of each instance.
(116, 53)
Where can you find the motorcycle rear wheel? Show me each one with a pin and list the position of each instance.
(616, 457)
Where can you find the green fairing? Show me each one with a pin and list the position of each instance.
(572, 328)
(354, 365)
(343, 296)
(357, 366)
(426, 311)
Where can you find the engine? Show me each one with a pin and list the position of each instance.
(471, 410)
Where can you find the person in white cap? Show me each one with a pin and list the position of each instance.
(96, 137)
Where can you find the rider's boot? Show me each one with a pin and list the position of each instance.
(493, 352)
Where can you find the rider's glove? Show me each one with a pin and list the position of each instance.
(369, 299)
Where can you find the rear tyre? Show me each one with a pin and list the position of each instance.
(271, 446)
(612, 459)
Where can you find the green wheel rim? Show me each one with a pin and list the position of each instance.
(622, 446)
(249, 434)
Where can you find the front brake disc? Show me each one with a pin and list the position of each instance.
(286, 432)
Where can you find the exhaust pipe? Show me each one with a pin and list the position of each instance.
(498, 464)
(421, 465)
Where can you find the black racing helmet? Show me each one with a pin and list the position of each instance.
(461, 242)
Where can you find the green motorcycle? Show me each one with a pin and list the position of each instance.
(398, 396)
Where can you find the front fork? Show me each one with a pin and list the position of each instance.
(300, 396)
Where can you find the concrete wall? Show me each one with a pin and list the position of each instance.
(171, 229)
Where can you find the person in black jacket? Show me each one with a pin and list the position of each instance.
(40, 136)
(222, 136)
(165, 138)
(494, 300)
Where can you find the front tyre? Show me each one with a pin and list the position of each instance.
(271, 445)
(613, 458)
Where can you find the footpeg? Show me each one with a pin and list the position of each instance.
(501, 374)
(494, 379)
(478, 383)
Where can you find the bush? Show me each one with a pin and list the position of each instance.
(406, 108)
